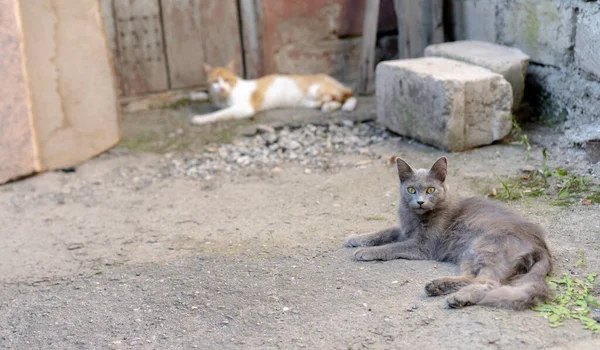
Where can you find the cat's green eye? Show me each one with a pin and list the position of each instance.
(430, 190)
(411, 190)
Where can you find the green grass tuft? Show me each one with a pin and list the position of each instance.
(573, 299)
(562, 188)
(517, 136)
(182, 102)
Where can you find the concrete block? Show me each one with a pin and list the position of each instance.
(587, 43)
(62, 108)
(543, 29)
(445, 103)
(475, 19)
(509, 62)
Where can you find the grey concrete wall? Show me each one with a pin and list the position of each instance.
(562, 37)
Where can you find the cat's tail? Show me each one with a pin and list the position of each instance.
(350, 101)
(525, 291)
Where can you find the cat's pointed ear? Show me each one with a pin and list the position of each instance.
(404, 170)
(207, 67)
(231, 65)
(439, 169)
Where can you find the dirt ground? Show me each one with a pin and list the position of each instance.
(112, 256)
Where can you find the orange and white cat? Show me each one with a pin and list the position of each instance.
(240, 98)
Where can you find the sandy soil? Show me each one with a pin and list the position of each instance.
(112, 256)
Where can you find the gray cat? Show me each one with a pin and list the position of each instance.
(503, 258)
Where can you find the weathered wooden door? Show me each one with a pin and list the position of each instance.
(199, 31)
(161, 44)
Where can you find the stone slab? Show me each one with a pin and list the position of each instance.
(63, 108)
(445, 103)
(587, 43)
(74, 100)
(17, 142)
(509, 62)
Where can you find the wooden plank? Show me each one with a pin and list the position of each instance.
(108, 14)
(420, 23)
(366, 76)
(221, 33)
(350, 21)
(252, 36)
(197, 32)
(182, 25)
(141, 59)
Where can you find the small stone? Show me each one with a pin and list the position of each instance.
(74, 246)
(286, 309)
(270, 138)
(265, 129)
(276, 170)
(294, 145)
(527, 168)
(348, 123)
(364, 162)
(307, 171)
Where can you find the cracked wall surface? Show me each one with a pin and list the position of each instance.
(562, 39)
(67, 80)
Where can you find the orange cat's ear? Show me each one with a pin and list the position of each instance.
(207, 67)
(439, 170)
(404, 170)
(231, 66)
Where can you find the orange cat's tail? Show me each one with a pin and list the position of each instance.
(525, 291)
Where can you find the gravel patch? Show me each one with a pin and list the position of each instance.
(312, 146)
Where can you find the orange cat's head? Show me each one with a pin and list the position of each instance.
(221, 80)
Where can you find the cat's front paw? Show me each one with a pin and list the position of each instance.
(352, 241)
(366, 254)
(458, 301)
